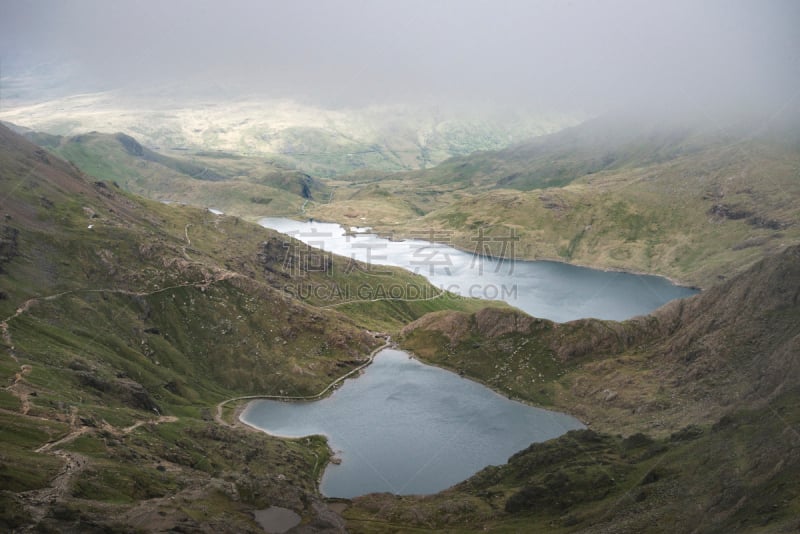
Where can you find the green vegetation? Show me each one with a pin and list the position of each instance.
(322, 142)
(697, 479)
(704, 393)
(126, 322)
(243, 186)
(690, 204)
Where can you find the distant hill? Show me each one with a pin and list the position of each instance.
(316, 140)
(693, 203)
(602, 144)
(244, 186)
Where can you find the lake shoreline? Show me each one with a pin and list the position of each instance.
(596, 267)
(244, 402)
(527, 402)
(555, 417)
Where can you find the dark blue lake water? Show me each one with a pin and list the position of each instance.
(405, 427)
(409, 428)
(550, 290)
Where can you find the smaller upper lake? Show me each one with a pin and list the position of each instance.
(409, 428)
(550, 290)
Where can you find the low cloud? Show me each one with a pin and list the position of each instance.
(548, 54)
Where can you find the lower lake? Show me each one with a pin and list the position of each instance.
(409, 428)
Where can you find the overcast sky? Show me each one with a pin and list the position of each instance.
(589, 55)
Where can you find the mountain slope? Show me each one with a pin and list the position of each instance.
(114, 317)
(245, 186)
(732, 345)
(675, 200)
(318, 140)
(128, 321)
(705, 391)
(125, 322)
(554, 160)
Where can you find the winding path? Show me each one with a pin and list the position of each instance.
(440, 294)
(38, 501)
(218, 412)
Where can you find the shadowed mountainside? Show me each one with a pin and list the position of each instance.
(126, 321)
(704, 392)
(243, 186)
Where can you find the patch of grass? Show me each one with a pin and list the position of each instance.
(9, 401)
(522, 366)
(88, 444)
(20, 468)
(120, 484)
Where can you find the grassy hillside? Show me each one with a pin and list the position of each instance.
(245, 186)
(681, 202)
(318, 140)
(126, 321)
(693, 204)
(693, 416)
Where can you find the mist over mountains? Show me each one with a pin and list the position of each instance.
(544, 55)
(142, 308)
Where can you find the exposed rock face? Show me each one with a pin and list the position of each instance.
(130, 144)
(126, 390)
(743, 332)
(9, 246)
(493, 322)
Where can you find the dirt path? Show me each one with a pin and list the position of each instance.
(7, 340)
(20, 389)
(24, 307)
(440, 294)
(188, 242)
(47, 447)
(218, 411)
(157, 421)
(218, 275)
(81, 430)
(39, 501)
